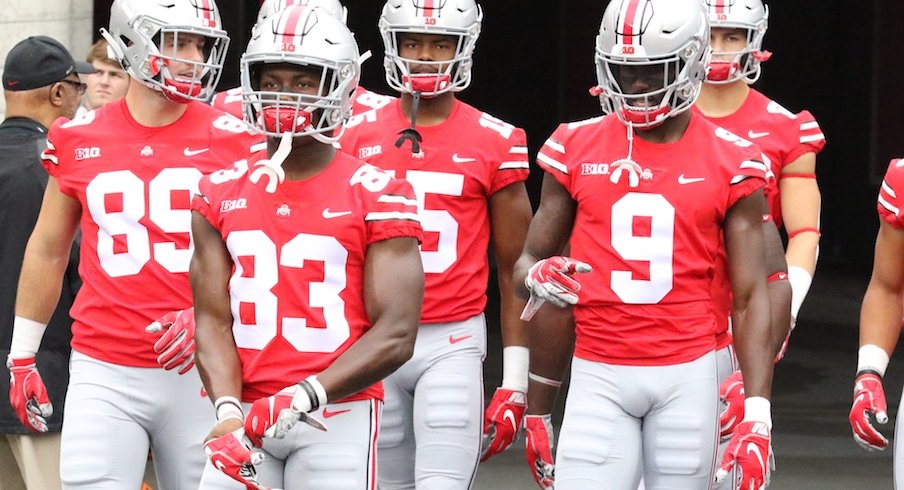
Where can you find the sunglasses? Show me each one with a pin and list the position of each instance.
(80, 86)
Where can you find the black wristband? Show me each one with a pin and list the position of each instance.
(311, 392)
(867, 371)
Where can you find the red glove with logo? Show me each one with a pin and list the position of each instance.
(749, 449)
(869, 398)
(27, 394)
(231, 454)
(538, 449)
(731, 392)
(502, 422)
(550, 280)
(274, 416)
(176, 348)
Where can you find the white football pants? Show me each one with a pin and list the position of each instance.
(431, 430)
(624, 422)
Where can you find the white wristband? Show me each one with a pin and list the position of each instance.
(27, 335)
(873, 357)
(228, 407)
(758, 409)
(309, 395)
(800, 281)
(515, 366)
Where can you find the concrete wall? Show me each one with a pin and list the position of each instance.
(68, 21)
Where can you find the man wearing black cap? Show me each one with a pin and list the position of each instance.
(40, 83)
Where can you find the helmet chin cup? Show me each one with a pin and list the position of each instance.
(181, 92)
(428, 84)
(277, 120)
(722, 71)
(646, 119)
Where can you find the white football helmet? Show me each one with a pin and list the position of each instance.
(753, 17)
(458, 18)
(307, 38)
(271, 7)
(136, 33)
(672, 35)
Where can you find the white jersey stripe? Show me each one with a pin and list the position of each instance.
(555, 145)
(377, 216)
(888, 190)
(887, 205)
(552, 163)
(397, 200)
(519, 150)
(754, 164)
(737, 179)
(511, 165)
(809, 125)
(815, 137)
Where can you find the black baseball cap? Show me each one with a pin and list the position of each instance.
(39, 61)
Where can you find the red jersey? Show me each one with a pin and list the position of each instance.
(230, 101)
(134, 184)
(889, 206)
(651, 232)
(297, 289)
(462, 162)
(782, 136)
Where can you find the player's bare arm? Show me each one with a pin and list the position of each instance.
(801, 203)
(216, 354)
(747, 269)
(880, 314)
(549, 230)
(393, 293)
(510, 218)
(779, 290)
(47, 255)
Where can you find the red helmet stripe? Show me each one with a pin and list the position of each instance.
(207, 9)
(291, 24)
(429, 8)
(720, 6)
(630, 23)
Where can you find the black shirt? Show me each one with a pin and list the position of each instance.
(22, 183)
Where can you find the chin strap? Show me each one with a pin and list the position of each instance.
(411, 134)
(627, 163)
(272, 167)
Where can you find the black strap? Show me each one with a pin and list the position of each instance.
(411, 134)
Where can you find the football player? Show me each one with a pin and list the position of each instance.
(308, 287)
(880, 322)
(124, 175)
(624, 189)
(789, 143)
(230, 101)
(467, 169)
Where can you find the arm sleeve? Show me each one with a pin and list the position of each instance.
(512, 165)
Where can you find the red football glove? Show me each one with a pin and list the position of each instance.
(502, 422)
(176, 348)
(273, 416)
(27, 394)
(749, 449)
(550, 280)
(869, 397)
(731, 392)
(231, 454)
(538, 449)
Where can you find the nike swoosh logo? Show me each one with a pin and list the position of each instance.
(334, 214)
(754, 135)
(689, 180)
(190, 153)
(454, 340)
(327, 414)
(510, 416)
(458, 159)
(753, 448)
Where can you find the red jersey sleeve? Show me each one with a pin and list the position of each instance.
(513, 165)
(392, 210)
(811, 138)
(888, 204)
(53, 161)
(201, 202)
(750, 175)
(552, 158)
